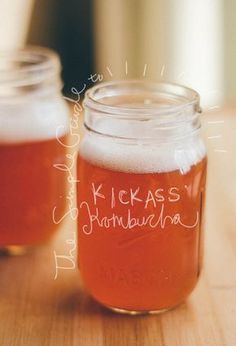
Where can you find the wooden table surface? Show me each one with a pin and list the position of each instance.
(37, 310)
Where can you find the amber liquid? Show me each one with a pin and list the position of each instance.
(142, 268)
(30, 187)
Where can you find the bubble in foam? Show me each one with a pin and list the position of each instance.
(142, 158)
(23, 121)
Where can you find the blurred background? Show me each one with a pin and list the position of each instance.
(186, 41)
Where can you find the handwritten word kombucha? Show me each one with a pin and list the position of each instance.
(142, 172)
(33, 137)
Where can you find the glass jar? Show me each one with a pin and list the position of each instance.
(34, 124)
(142, 172)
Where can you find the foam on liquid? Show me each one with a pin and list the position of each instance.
(152, 157)
(22, 122)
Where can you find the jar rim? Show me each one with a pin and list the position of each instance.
(185, 97)
(28, 66)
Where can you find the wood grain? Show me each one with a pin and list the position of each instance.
(37, 310)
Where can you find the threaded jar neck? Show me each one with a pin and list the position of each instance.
(28, 71)
(145, 110)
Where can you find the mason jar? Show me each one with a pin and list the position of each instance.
(34, 125)
(142, 172)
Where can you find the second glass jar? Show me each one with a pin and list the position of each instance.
(34, 126)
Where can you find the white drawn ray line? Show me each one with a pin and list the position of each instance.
(144, 70)
(162, 70)
(181, 75)
(126, 67)
(213, 137)
(216, 122)
(214, 107)
(109, 71)
(215, 91)
(220, 150)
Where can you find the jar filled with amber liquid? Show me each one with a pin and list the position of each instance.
(34, 125)
(142, 172)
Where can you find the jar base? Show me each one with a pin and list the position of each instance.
(137, 312)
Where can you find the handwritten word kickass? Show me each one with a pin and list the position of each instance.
(130, 198)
